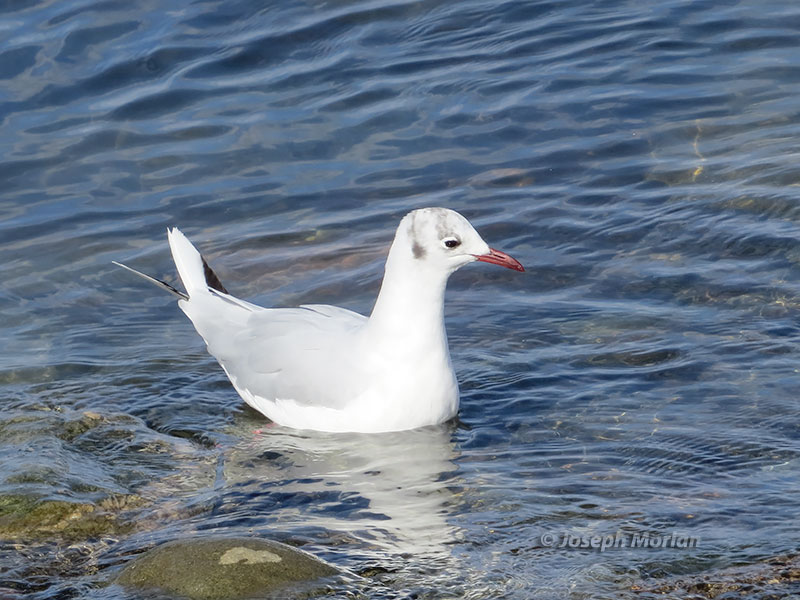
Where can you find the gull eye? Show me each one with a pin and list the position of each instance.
(451, 243)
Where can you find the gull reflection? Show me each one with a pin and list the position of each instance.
(398, 481)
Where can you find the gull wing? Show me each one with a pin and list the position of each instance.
(269, 353)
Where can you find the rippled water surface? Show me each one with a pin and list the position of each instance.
(640, 158)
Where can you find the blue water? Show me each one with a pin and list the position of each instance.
(639, 158)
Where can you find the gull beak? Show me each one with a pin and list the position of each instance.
(500, 258)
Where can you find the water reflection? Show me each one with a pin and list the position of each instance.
(398, 481)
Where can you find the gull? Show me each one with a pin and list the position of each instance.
(327, 368)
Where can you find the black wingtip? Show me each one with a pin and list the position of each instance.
(211, 278)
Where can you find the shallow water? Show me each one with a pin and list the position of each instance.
(640, 159)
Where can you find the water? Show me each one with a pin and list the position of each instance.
(639, 158)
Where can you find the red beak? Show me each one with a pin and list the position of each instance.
(500, 258)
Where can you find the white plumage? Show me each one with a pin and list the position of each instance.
(327, 368)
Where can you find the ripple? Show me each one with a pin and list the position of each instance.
(639, 160)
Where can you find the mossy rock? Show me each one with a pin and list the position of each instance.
(224, 569)
(77, 427)
(28, 517)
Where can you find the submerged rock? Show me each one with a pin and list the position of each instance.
(223, 568)
(29, 517)
(773, 579)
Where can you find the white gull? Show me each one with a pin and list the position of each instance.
(330, 369)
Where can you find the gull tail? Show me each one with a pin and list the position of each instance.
(193, 269)
(195, 273)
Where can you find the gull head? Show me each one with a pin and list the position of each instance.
(442, 239)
